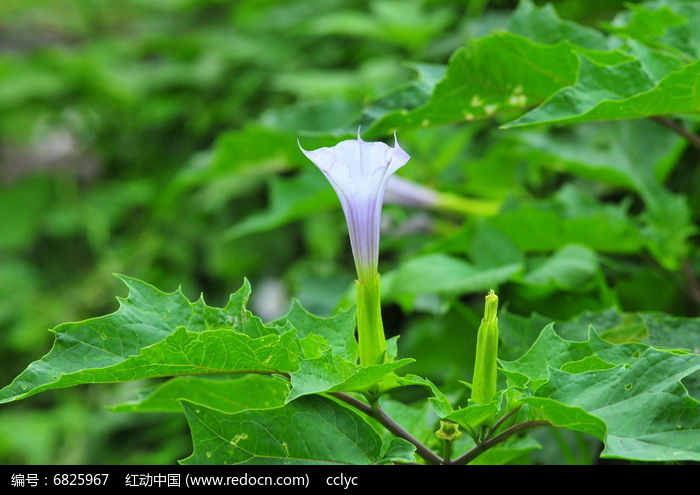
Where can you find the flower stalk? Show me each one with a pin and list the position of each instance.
(403, 192)
(370, 328)
(486, 363)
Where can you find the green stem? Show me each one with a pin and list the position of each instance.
(370, 329)
(484, 446)
(468, 206)
(446, 451)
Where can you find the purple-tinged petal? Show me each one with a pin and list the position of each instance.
(358, 171)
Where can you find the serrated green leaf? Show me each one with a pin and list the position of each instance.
(564, 416)
(550, 351)
(407, 96)
(332, 373)
(338, 330)
(517, 333)
(542, 24)
(474, 414)
(656, 329)
(225, 395)
(502, 72)
(588, 363)
(667, 24)
(671, 332)
(310, 430)
(623, 91)
(153, 334)
(660, 330)
(399, 451)
(439, 400)
(646, 411)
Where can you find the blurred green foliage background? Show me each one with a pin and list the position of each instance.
(158, 139)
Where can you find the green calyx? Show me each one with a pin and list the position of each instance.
(370, 328)
(486, 363)
(448, 431)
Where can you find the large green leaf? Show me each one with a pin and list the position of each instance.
(648, 413)
(332, 373)
(624, 91)
(542, 24)
(652, 328)
(628, 395)
(613, 85)
(160, 334)
(564, 416)
(310, 430)
(666, 24)
(660, 330)
(552, 351)
(226, 395)
(502, 72)
(339, 330)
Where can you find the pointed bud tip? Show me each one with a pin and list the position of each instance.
(491, 308)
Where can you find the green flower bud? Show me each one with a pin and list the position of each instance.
(486, 363)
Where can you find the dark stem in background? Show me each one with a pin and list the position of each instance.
(687, 289)
(377, 413)
(692, 281)
(484, 446)
(678, 128)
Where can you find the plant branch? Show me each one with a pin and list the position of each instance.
(678, 128)
(356, 403)
(484, 446)
(377, 413)
(692, 281)
(502, 420)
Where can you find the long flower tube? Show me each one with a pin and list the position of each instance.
(403, 192)
(358, 172)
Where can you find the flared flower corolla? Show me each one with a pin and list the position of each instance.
(358, 171)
